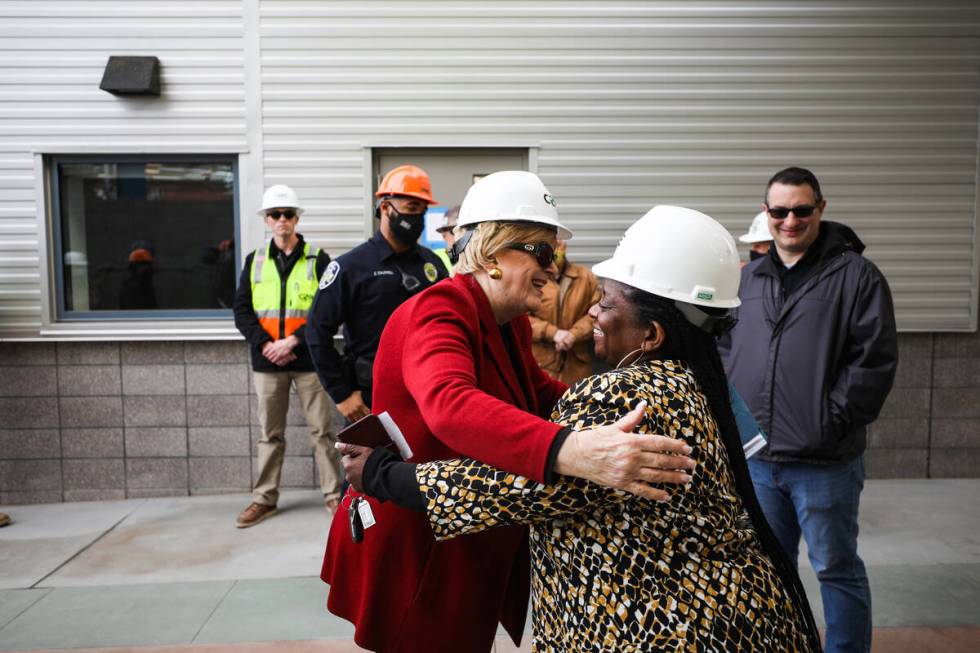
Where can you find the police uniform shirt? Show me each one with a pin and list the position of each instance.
(360, 290)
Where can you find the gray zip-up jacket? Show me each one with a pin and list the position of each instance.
(816, 364)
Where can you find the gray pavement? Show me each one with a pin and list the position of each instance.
(163, 571)
(176, 571)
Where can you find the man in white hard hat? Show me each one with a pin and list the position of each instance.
(814, 354)
(274, 295)
(446, 231)
(758, 237)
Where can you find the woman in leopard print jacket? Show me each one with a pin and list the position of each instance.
(611, 571)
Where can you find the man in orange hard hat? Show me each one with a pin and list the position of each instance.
(362, 288)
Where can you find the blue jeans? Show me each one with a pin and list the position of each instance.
(821, 502)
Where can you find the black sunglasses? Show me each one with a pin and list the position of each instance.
(782, 212)
(288, 214)
(543, 252)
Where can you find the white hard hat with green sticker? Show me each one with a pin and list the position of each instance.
(678, 254)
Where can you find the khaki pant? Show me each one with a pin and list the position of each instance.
(273, 392)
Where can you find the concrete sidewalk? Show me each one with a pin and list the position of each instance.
(173, 575)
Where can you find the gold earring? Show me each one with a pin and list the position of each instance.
(495, 273)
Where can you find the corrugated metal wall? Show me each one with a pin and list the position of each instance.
(52, 55)
(637, 103)
(628, 104)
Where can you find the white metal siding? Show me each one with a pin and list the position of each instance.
(638, 103)
(628, 104)
(52, 55)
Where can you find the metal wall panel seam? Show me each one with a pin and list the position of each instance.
(253, 164)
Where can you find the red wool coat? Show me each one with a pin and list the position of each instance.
(444, 375)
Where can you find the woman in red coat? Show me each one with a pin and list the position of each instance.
(454, 370)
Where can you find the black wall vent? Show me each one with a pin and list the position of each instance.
(132, 76)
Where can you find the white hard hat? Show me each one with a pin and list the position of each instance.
(679, 254)
(280, 197)
(511, 196)
(759, 231)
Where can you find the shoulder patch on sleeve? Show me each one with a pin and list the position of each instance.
(330, 274)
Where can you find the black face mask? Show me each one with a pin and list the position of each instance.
(405, 227)
(753, 255)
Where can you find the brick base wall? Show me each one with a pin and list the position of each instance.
(89, 421)
(930, 425)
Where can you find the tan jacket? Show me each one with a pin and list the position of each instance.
(565, 306)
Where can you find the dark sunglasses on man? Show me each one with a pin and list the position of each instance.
(543, 252)
(289, 214)
(782, 212)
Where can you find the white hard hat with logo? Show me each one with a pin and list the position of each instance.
(678, 254)
(511, 196)
(758, 231)
(280, 197)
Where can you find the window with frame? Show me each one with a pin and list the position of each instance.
(147, 237)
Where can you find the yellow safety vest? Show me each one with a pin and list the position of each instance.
(444, 257)
(281, 318)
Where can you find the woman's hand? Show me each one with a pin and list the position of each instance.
(564, 340)
(616, 457)
(353, 461)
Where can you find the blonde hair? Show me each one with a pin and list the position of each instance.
(490, 237)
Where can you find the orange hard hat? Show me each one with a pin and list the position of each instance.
(141, 255)
(409, 181)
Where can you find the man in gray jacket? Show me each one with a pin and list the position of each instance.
(814, 355)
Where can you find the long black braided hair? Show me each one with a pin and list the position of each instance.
(699, 349)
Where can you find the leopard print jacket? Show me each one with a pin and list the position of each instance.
(613, 572)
